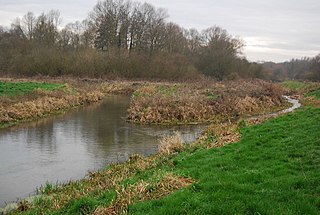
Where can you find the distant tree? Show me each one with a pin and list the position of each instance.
(218, 52)
(315, 68)
(193, 41)
(2, 30)
(16, 29)
(29, 22)
(121, 38)
(46, 28)
(88, 34)
(175, 40)
(298, 68)
(155, 32)
(147, 29)
(71, 36)
(110, 18)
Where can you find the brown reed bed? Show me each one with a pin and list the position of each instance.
(171, 144)
(198, 103)
(40, 103)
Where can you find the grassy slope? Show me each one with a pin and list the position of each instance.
(315, 94)
(296, 85)
(274, 169)
(308, 88)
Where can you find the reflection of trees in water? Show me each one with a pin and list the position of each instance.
(46, 134)
(112, 136)
(45, 138)
(109, 133)
(41, 138)
(96, 125)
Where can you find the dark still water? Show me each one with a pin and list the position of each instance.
(66, 147)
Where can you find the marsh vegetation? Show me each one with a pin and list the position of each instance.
(23, 101)
(204, 102)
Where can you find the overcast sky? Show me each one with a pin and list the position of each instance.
(275, 30)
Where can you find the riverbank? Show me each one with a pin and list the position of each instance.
(25, 100)
(277, 159)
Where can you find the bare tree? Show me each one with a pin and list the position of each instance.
(315, 68)
(46, 28)
(155, 32)
(194, 41)
(175, 40)
(111, 20)
(16, 29)
(218, 52)
(88, 34)
(29, 21)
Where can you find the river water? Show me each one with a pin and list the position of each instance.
(66, 147)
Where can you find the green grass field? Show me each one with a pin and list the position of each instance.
(274, 169)
(12, 89)
(295, 85)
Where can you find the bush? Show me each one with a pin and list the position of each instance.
(91, 63)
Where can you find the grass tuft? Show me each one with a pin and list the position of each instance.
(171, 144)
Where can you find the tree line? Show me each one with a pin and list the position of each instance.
(121, 38)
(305, 68)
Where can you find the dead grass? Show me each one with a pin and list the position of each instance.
(171, 144)
(310, 101)
(45, 105)
(143, 191)
(218, 135)
(97, 182)
(157, 186)
(40, 103)
(122, 88)
(196, 103)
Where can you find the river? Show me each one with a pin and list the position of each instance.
(66, 147)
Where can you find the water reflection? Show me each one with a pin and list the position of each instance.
(66, 147)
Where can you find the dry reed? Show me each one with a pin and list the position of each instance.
(172, 104)
(40, 103)
(142, 191)
(171, 144)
